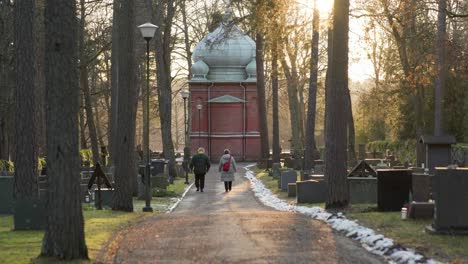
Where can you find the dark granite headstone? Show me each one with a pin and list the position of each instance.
(157, 166)
(30, 214)
(363, 169)
(289, 162)
(106, 196)
(289, 176)
(362, 190)
(276, 173)
(292, 189)
(6, 194)
(421, 187)
(311, 191)
(435, 151)
(451, 200)
(420, 210)
(393, 189)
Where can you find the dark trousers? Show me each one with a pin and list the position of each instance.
(200, 181)
(228, 185)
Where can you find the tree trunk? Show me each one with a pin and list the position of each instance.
(441, 69)
(82, 121)
(127, 94)
(163, 41)
(335, 143)
(84, 83)
(64, 235)
(25, 134)
(274, 89)
(189, 65)
(309, 152)
(114, 84)
(262, 115)
(350, 128)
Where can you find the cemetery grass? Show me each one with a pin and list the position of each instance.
(24, 246)
(411, 233)
(100, 226)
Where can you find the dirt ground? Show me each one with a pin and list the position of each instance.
(219, 227)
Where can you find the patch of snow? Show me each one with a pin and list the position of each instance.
(178, 200)
(374, 243)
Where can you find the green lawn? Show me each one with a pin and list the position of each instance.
(409, 233)
(24, 246)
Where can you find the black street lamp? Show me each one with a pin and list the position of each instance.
(147, 31)
(199, 108)
(185, 95)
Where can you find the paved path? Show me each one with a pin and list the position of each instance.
(219, 227)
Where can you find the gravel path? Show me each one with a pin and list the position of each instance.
(219, 227)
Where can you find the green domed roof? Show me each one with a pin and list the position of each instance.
(227, 51)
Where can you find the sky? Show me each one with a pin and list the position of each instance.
(360, 67)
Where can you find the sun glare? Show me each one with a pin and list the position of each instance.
(324, 6)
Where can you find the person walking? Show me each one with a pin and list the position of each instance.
(200, 164)
(227, 167)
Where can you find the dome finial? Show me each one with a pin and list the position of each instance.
(228, 12)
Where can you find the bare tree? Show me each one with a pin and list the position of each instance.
(64, 235)
(335, 156)
(164, 16)
(274, 91)
(262, 114)
(310, 147)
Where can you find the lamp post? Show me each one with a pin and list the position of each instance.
(199, 108)
(185, 95)
(147, 31)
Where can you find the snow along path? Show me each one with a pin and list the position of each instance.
(375, 243)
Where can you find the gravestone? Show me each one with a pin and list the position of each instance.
(289, 162)
(30, 214)
(106, 197)
(311, 191)
(363, 169)
(292, 189)
(421, 210)
(289, 176)
(6, 194)
(319, 169)
(435, 151)
(362, 190)
(451, 200)
(276, 172)
(421, 186)
(393, 188)
(158, 177)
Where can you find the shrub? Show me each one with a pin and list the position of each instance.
(6, 167)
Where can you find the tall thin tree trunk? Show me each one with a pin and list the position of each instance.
(441, 68)
(309, 151)
(262, 115)
(274, 89)
(64, 235)
(189, 64)
(84, 83)
(335, 157)
(113, 118)
(127, 93)
(350, 128)
(82, 122)
(25, 134)
(163, 41)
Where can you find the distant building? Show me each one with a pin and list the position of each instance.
(223, 91)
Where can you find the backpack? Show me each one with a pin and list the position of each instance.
(227, 164)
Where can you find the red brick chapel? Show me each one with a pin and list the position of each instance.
(223, 94)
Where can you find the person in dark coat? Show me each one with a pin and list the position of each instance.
(227, 167)
(200, 164)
